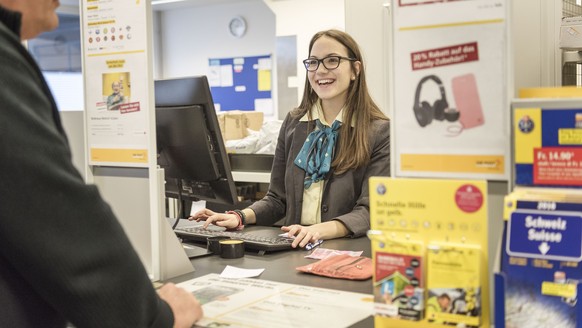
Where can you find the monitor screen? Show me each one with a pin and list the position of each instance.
(190, 147)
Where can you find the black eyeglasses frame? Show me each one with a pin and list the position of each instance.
(320, 61)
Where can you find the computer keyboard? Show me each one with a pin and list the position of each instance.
(262, 241)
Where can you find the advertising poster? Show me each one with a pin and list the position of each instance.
(116, 82)
(450, 81)
(547, 146)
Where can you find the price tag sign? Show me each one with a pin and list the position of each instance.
(558, 166)
(543, 235)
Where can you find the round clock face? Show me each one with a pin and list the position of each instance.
(237, 27)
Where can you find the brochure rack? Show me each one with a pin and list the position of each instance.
(429, 242)
(537, 284)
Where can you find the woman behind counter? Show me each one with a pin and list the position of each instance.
(327, 149)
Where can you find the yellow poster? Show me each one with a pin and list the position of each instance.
(453, 285)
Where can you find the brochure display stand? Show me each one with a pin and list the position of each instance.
(429, 242)
(540, 268)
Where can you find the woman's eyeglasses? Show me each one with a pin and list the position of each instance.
(329, 62)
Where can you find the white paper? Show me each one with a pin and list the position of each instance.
(226, 78)
(234, 272)
(214, 75)
(265, 64)
(197, 206)
(264, 303)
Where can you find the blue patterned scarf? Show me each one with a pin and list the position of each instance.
(317, 152)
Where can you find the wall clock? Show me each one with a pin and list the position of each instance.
(237, 26)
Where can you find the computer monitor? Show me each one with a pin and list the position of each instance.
(190, 147)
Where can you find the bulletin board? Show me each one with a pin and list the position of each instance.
(241, 83)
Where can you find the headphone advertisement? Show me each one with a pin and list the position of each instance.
(450, 89)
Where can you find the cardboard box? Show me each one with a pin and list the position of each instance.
(234, 124)
(252, 120)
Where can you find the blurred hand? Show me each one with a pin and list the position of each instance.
(229, 221)
(303, 235)
(185, 307)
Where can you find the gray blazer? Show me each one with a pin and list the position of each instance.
(345, 196)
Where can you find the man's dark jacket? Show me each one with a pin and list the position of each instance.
(63, 254)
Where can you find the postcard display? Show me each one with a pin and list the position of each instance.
(537, 285)
(429, 245)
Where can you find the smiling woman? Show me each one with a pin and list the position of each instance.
(326, 150)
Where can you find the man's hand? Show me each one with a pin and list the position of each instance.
(185, 307)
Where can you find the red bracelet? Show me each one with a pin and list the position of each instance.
(240, 221)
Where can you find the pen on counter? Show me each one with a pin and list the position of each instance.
(311, 246)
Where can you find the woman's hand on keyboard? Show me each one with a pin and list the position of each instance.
(229, 221)
(303, 235)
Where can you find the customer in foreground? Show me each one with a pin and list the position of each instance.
(63, 255)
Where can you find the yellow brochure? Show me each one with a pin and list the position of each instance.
(453, 284)
(398, 278)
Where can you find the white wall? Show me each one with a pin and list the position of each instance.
(190, 36)
(304, 18)
(535, 28)
(186, 37)
(373, 45)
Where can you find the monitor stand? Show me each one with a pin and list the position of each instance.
(174, 261)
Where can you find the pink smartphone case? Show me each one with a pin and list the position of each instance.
(467, 101)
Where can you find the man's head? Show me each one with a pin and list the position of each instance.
(116, 87)
(444, 301)
(37, 15)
